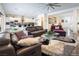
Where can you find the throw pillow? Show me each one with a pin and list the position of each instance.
(14, 39)
(26, 32)
(20, 35)
(28, 41)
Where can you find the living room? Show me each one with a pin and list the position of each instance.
(39, 29)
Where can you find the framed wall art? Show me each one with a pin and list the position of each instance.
(52, 20)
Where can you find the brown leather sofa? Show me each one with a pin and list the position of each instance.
(34, 50)
(35, 31)
(6, 49)
(9, 48)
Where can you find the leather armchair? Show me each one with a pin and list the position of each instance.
(6, 49)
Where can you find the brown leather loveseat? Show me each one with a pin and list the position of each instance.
(33, 50)
(35, 31)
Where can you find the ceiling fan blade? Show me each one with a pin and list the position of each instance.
(48, 8)
(52, 7)
(55, 3)
(49, 4)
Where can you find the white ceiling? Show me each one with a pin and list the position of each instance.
(33, 9)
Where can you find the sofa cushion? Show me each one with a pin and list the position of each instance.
(37, 32)
(4, 38)
(20, 35)
(30, 29)
(39, 27)
(4, 41)
(28, 41)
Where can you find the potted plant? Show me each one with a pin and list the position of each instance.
(49, 33)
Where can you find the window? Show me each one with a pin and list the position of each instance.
(0, 23)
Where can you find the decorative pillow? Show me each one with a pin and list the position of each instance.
(26, 32)
(56, 27)
(20, 35)
(28, 41)
(14, 39)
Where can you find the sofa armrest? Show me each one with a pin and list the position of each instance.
(7, 50)
(30, 51)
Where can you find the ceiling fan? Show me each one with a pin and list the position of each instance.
(53, 5)
(49, 6)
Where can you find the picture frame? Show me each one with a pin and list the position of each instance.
(52, 20)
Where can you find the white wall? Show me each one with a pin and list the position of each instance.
(39, 17)
(42, 21)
